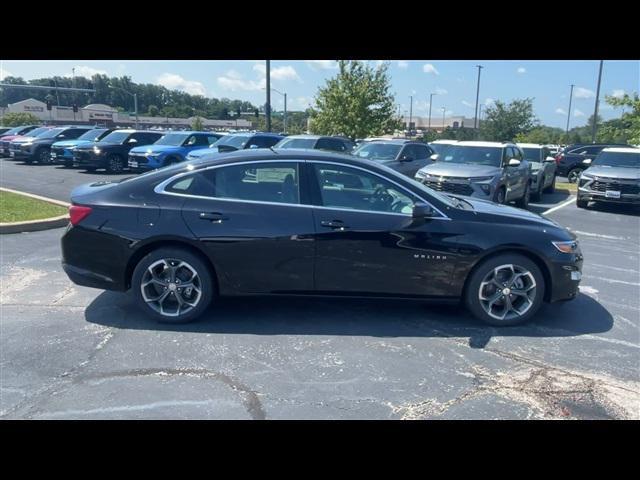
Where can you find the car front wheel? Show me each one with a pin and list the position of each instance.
(44, 156)
(552, 187)
(574, 175)
(172, 285)
(504, 290)
(115, 164)
(581, 203)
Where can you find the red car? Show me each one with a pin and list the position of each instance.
(17, 134)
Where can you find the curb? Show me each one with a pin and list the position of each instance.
(35, 225)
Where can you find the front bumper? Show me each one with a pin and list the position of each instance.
(627, 192)
(88, 158)
(566, 274)
(143, 163)
(459, 186)
(61, 155)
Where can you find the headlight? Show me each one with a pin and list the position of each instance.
(586, 176)
(566, 247)
(480, 179)
(96, 150)
(420, 174)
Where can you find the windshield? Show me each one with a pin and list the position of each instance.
(532, 154)
(116, 137)
(52, 133)
(296, 143)
(13, 131)
(473, 155)
(36, 131)
(237, 141)
(378, 151)
(440, 148)
(92, 135)
(618, 159)
(173, 139)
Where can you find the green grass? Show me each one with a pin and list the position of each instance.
(571, 187)
(18, 208)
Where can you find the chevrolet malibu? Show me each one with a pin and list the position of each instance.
(308, 222)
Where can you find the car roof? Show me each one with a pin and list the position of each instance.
(622, 150)
(396, 141)
(531, 145)
(475, 143)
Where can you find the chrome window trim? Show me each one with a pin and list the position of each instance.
(160, 188)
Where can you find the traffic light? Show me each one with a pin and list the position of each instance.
(75, 108)
(48, 104)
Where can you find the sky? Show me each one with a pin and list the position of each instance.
(454, 82)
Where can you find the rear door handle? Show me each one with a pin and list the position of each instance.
(334, 224)
(213, 217)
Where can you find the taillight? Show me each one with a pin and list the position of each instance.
(77, 213)
(559, 157)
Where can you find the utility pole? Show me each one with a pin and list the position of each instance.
(73, 83)
(135, 107)
(475, 119)
(268, 105)
(594, 128)
(444, 109)
(569, 112)
(410, 114)
(430, 102)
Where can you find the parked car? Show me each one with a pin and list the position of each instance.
(112, 151)
(62, 152)
(318, 142)
(173, 147)
(237, 141)
(404, 156)
(15, 146)
(570, 160)
(441, 146)
(39, 149)
(4, 130)
(7, 137)
(543, 168)
(612, 177)
(495, 171)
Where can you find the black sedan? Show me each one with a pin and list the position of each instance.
(309, 222)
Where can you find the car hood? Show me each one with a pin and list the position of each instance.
(460, 170)
(22, 139)
(155, 149)
(624, 173)
(10, 138)
(70, 143)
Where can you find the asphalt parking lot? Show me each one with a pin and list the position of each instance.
(71, 352)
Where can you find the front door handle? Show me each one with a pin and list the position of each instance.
(214, 217)
(334, 224)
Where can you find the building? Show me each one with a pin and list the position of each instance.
(437, 122)
(107, 116)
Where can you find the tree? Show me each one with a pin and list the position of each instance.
(541, 134)
(629, 126)
(356, 103)
(504, 122)
(197, 124)
(18, 119)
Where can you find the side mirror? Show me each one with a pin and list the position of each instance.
(587, 161)
(132, 140)
(434, 157)
(253, 146)
(549, 159)
(514, 162)
(61, 136)
(423, 210)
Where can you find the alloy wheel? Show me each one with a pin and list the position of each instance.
(507, 292)
(171, 287)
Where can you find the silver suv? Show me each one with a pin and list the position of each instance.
(495, 171)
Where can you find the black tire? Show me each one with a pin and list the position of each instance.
(523, 202)
(551, 188)
(115, 164)
(43, 156)
(500, 195)
(573, 175)
(537, 195)
(581, 203)
(90, 169)
(472, 291)
(206, 283)
(68, 164)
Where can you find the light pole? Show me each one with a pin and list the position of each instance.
(285, 108)
(444, 109)
(595, 110)
(268, 105)
(73, 82)
(475, 119)
(410, 114)
(430, 102)
(569, 112)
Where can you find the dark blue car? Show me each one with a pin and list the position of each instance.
(237, 141)
(173, 147)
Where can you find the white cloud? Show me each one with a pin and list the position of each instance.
(300, 103)
(234, 81)
(176, 82)
(84, 71)
(578, 113)
(429, 68)
(580, 92)
(467, 104)
(489, 101)
(403, 64)
(618, 93)
(322, 64)
(286, 72)
(560, 111)
(441, 91)
(521, 70)
(5, 73)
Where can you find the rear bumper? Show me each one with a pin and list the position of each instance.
(87, 278)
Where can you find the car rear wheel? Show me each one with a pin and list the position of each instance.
(44, 156)
(574, 175)
(552, 186)
(115, 164)
(523, 202)
(504, 290)
(537, 195)
(500, 195)
(172, 285)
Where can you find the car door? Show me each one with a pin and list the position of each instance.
(195, 142)
(523, 171)
(250, 219)
(510, 174)
(406, 161)
(367, 243)
(422, 154)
